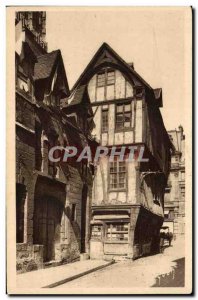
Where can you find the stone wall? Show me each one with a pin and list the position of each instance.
(29, 257)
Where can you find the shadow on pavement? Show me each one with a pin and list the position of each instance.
(173, 279)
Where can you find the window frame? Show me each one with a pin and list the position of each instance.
(103, 128)
(100, 235)
(111, 186)
(116, 232)
(123, 115)
(106, 78)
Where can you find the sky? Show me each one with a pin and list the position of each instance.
(153, 39)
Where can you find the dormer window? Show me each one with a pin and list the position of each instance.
(106, 78)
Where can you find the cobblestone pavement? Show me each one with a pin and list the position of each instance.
(156, 270)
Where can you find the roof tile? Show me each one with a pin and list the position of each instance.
(43, 67)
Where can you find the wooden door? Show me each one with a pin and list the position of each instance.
(47, 219)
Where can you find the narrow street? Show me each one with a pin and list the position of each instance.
(156, 270)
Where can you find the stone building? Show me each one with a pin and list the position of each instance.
(53, 200)
(128, 197)
(174, 201)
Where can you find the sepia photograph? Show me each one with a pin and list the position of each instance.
(99, 142)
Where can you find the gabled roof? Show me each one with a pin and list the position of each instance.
(78, 95)
(43, 67)
(109, 55)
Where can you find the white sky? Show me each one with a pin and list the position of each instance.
(151, 38)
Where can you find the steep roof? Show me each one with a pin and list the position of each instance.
(115, 58)
(77, 97)
(43, 67)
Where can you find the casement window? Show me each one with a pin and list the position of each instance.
(106, 78)
(123, 116)
(105, 120)
(117, 174)
(117, 232)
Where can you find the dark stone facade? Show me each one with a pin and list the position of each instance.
(53, 200)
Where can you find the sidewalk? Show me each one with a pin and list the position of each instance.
(54, 276)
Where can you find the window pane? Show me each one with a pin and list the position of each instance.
(119, 108)
(117, 232)
(111, 77)
(108, 236)
(127, 117)
(127, 124)
(120, 118)
(127, 107)
(104, 120)
(96, 231)
(117, 174)
(101, 79)
(121, 166)
(119, 125)
(120, 237)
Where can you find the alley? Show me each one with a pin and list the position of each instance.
(140, 273)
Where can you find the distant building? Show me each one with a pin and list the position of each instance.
(53, 200)
(128, 197)
(174, 201)
(36, 23)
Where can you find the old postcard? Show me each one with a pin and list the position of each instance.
(99, 150)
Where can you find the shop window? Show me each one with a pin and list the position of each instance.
(96, 231)
(117, 174)
(105, 120)
(117, 232)
(123, 116)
